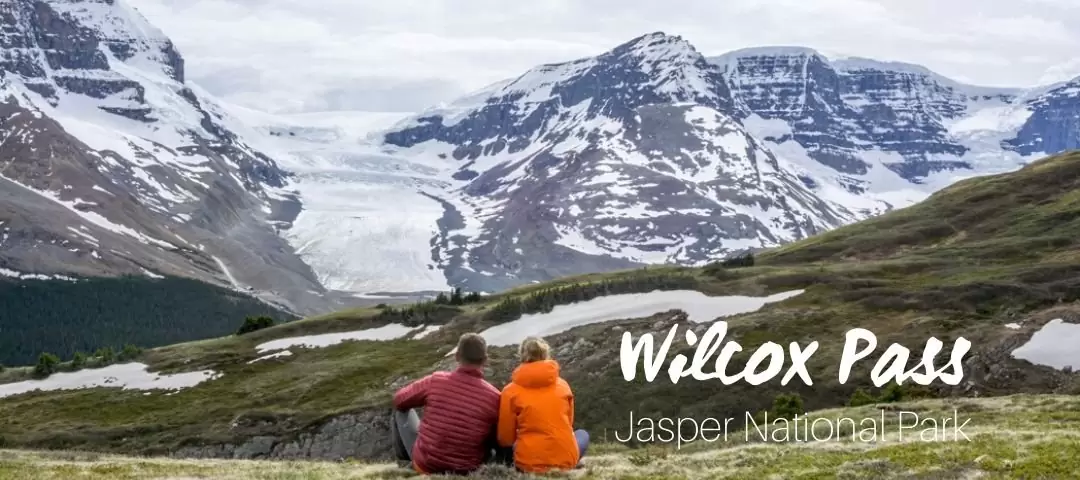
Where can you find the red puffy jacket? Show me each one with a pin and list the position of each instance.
(461, 410)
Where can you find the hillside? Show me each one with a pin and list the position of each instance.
(1011, 437)
(63, 317)
(990, 259)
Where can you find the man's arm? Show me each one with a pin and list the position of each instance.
(507, 431)
(413, 395)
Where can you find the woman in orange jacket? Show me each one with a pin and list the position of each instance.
(536, 414)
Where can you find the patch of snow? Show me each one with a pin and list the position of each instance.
(1012, 326)
(228, 274)
(699, 308)
(128, 376)
(427, 331)
(284, 353)
(1054, 345)
(387, 332)
(4, 272)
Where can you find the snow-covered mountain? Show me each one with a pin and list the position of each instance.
(652, 153)
(638, 155)
(111, 163)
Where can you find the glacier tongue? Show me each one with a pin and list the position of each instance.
(366, 227)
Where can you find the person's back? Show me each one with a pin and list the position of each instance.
(536, 414)
(460, 411)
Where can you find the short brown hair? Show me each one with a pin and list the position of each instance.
(534, 349)
(472, 349)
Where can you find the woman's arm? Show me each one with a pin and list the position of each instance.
(570, 398)
(507, 431)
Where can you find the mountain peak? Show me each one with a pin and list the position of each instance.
(99, 31)
(654, 41)
(653, 69)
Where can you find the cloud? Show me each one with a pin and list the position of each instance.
(400, 55)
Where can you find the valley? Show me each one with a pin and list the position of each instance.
(995, 280)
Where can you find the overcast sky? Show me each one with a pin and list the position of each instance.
(405, 55)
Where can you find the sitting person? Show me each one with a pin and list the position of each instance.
(536, 414)
(460, 412)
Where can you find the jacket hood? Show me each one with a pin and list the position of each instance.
(536, 374)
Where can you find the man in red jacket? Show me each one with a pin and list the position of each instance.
(461, 411)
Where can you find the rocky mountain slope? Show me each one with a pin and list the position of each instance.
(113, 165)
(989, 260)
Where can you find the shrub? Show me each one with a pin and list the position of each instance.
(253, 324)
(787, 406)
(457, 297)
(746, 260)
(106, 355)
(78, 361)
(761, 417)
(130, 352)
(46, 365)
(860, 398)
(894, 392)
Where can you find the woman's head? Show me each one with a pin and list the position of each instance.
(534, 349)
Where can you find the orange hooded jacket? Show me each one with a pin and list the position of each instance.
(536, 417)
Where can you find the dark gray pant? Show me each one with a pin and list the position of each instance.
(405, 427)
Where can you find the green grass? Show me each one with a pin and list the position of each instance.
(982, 253)
(1012, 437)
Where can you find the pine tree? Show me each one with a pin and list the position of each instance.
(253, 324)
(46, 365)
(78, 361)
(106, 354)
(130, 352)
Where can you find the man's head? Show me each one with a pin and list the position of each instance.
(471, 350)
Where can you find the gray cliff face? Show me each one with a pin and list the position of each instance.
(360, 436)
(1054, 124)
(838, 110)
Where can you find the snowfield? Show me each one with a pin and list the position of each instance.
(1054, 345)
(699, 308)
(387, 332)
(128, 376)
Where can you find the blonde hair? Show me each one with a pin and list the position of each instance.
(534, 349)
